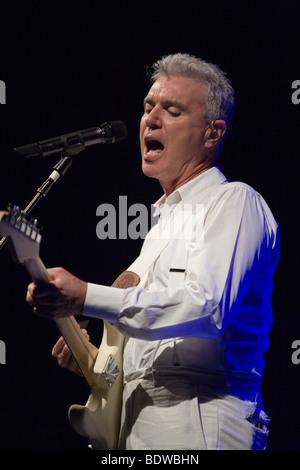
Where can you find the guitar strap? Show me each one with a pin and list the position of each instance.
(160, 236)
(148, 256)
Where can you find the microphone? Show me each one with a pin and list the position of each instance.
(75, 142)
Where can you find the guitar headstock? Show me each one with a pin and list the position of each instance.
(23, 234)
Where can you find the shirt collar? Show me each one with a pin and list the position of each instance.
(190, 190)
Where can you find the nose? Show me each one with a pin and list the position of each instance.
(152, 119)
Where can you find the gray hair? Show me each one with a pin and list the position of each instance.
(219, 100)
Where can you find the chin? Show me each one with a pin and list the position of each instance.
(149, 171)
(149, 174)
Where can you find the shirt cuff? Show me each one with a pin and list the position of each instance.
(103, 302)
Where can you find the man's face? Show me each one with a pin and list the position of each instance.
(172, 131)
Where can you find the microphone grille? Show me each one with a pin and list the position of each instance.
(119, 130)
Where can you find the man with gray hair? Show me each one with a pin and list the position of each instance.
(197, 323)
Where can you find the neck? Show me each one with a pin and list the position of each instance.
(170, 186)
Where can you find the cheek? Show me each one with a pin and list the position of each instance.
(142, 129)
(192, 141)
(180, 141)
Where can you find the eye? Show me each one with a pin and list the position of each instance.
(173, 110)
(148, 109)
(174, 113)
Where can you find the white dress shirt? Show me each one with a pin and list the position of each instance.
(215, 318)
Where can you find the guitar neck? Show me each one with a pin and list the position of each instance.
(83, 351)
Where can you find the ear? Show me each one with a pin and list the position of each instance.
(214, 133)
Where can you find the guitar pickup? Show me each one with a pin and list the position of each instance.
(110, 371)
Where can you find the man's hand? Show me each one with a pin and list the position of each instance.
(63, 355)
(63, 296)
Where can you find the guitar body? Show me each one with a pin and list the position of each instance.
(99, 418)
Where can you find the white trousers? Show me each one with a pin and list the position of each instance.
(181, 415)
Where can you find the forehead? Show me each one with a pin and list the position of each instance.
(177, 88)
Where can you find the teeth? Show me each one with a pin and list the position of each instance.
(153, 152)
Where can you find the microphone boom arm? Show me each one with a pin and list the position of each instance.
(59, 170)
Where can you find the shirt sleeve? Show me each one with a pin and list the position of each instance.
(239, 235)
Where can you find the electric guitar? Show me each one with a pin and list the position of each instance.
(99, 419)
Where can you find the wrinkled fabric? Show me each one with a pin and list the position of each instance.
(176, 415)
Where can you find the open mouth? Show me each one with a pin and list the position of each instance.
(153, 147)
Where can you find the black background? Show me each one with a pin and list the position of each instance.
(71, 65)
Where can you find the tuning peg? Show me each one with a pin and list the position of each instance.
(13, 214)
(24, 223)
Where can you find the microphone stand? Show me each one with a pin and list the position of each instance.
(59, 169)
